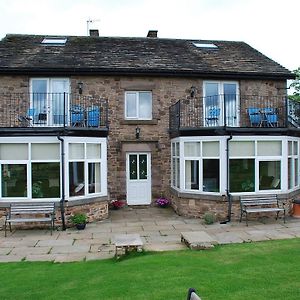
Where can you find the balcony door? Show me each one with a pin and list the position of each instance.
(221, 103)
(49, 101)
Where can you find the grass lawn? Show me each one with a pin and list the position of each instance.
(265, 270)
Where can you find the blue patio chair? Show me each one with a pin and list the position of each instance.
(77, 116)
(255, 116)
(212, 118)
(93, 116)
(271, 116)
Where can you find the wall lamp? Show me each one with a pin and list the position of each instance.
(80, 87)
(137, 132)
(193, 91)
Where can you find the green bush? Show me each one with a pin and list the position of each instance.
(209, 218)
(79, 218)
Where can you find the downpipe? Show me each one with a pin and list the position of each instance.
(62, 200)
(228, 195)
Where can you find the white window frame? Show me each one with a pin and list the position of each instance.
(102, 160)
(137, 94)
(48, 109)
(221, 100)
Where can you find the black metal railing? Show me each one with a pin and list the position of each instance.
(53, 110)
(233, 111)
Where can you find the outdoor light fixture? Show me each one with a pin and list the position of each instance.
(137, 132)
(193, 91)
(80, 86)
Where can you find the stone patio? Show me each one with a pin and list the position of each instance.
(160, 230)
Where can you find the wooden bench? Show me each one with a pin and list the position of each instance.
(260, 203)
(30, 212)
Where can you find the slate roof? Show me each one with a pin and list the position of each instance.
(24, 54)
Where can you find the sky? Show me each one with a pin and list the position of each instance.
(270, 26)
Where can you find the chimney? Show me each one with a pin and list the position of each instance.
(152, 34)
(94, 32)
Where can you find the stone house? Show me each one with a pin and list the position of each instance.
(85, 120)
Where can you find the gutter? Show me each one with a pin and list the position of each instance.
(62, 200)
(228, 195)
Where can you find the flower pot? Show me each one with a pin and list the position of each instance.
(296, 209)
(80, 226)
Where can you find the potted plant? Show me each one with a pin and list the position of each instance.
(79, 220)
(162, 202)
(116, 204)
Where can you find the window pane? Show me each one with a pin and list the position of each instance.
(210, 149)
(13, 151)
(290, 173)
(93, 151)
(14, 181)
(269, 175)
(143, 166)
(133, 166)
(76, 151)
(94, 178)
(145, 105)
(39, 86)
(177, 173)
(131, 105)
(45, 180)
(296, 173)
(241, 175)
(295, 148)
(45, 151)
(192, 174)
(177, 149)
(76, 178)
(290, 148)
(211, 175)
(241, 148)
(269, 148)
(192, 149)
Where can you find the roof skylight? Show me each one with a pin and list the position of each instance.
(55, 41)
(206, 45)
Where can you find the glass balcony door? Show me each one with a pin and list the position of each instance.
(220, 104)
(49, 101)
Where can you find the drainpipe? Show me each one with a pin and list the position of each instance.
(62, 200)
(228, 195)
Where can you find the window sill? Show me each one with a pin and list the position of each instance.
(139, 122)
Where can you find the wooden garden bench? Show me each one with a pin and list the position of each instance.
(260, 203)
(30, 212)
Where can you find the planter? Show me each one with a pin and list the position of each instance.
(80, 226)
(296, 209)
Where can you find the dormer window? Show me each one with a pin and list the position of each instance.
(54, 41)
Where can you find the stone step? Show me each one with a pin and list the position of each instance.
(198, 240)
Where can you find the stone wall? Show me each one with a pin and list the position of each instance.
(154, 134)
(197, 205)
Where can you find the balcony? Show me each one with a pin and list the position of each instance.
(233, 111)
(62, 110)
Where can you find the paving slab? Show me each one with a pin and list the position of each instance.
(11, 258)
(6, 250)
(70, 249)
(198, 240)
(99, 256)
(54, 243)
(69, 258)
(30, 250)
(164, 247)
(40, 257)
(228, 238)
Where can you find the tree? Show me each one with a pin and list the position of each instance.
(296, 86)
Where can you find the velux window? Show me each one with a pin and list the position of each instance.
(138, 105)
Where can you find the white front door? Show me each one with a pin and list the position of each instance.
(138, 177)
